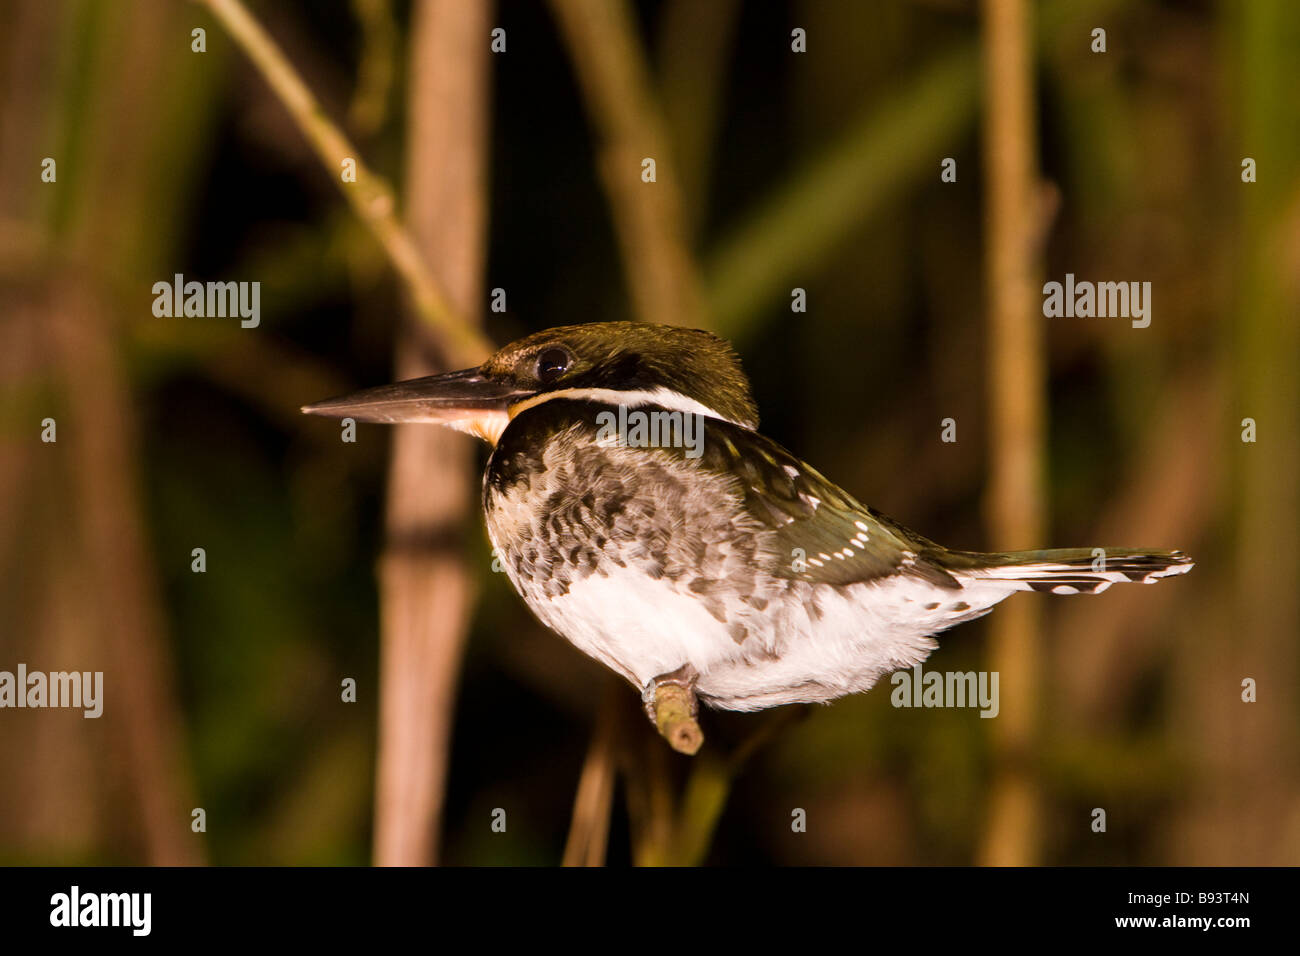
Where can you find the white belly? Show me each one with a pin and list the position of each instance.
(836, 641)
(638, 629)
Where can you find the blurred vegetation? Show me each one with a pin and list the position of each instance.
(817, 170)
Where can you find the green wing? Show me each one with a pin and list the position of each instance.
(820, 532)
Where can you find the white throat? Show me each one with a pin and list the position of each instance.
(660, 396)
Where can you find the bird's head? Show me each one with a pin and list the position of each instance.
(612, 362)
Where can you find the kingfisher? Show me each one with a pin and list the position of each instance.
(641, 515)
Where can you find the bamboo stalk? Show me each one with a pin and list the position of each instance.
(104, 463)
(426, 589)
(113, 594)
(1256, 765)
(1017, 374)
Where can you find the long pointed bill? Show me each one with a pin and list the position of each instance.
(466, 400)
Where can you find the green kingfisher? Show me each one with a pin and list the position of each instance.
(642, 517)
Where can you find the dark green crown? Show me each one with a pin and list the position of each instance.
(631, 356)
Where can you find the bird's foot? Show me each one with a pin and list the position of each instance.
(671, 705)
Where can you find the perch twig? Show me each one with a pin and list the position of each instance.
(675, 718)
(370, 196)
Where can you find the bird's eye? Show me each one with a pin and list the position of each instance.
(551, 364)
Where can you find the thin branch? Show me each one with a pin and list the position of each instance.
(707, 790)
(370, 196)
(890, 148)
(610, 61)
(694, 56)
(651, 804)
(791, 232)
(375, 72)
(589, 831)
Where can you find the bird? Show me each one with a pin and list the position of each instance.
(642, 516)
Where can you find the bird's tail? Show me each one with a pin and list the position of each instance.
(1067, 570)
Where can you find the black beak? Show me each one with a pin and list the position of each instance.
(453, 398)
